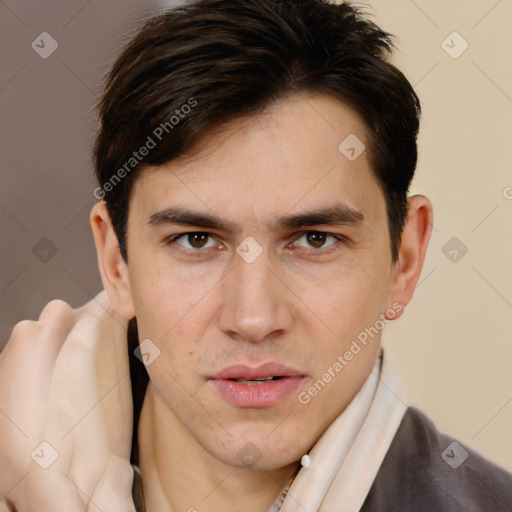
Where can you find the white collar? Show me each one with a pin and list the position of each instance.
(345, 460)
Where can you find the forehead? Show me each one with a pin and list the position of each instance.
(299, 152)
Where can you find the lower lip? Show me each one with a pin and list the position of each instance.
(256, 396)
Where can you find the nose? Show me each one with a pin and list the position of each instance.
(256, 303)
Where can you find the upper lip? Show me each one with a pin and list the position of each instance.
(242, 371)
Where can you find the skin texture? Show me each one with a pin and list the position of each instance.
(298, 304)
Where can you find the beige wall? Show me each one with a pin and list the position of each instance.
(453, 347)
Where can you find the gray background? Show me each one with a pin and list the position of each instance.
(48, 121)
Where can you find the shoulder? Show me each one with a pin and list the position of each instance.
(426, 470)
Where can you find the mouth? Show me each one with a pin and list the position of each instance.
(256, 382)
(256, 388)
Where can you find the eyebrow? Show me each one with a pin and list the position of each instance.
(339, 214)
(333, 215)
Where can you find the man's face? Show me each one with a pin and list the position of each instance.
(294, 296)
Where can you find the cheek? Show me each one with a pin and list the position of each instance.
(349, 309)
(173, 312)
(166, 296)
(347, 295)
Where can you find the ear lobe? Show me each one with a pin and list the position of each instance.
(113, 269)
(413, 247)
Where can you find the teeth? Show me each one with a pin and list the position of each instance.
(253, 382)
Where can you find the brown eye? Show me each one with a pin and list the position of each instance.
(316, 239)
(196, 240)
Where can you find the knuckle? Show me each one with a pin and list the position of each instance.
(56, 318)
(54, 311)
(24, 331)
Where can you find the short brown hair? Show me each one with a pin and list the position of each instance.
(224, 59)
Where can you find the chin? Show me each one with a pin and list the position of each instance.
(257, 454)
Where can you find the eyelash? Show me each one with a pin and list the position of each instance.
(200, 252)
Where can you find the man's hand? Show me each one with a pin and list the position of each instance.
(66, 411)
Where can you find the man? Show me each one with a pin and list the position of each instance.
(253, 161)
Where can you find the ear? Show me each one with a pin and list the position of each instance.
(113, 269)
(413, 247)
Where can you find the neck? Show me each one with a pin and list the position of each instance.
(178, 474)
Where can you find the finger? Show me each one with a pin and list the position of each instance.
(32, 350)
(75, 379)
(77, 430)
(112, 369)
(44, 337)
(58, 315)
(25, 375)
(81, 395)
(76, 425)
